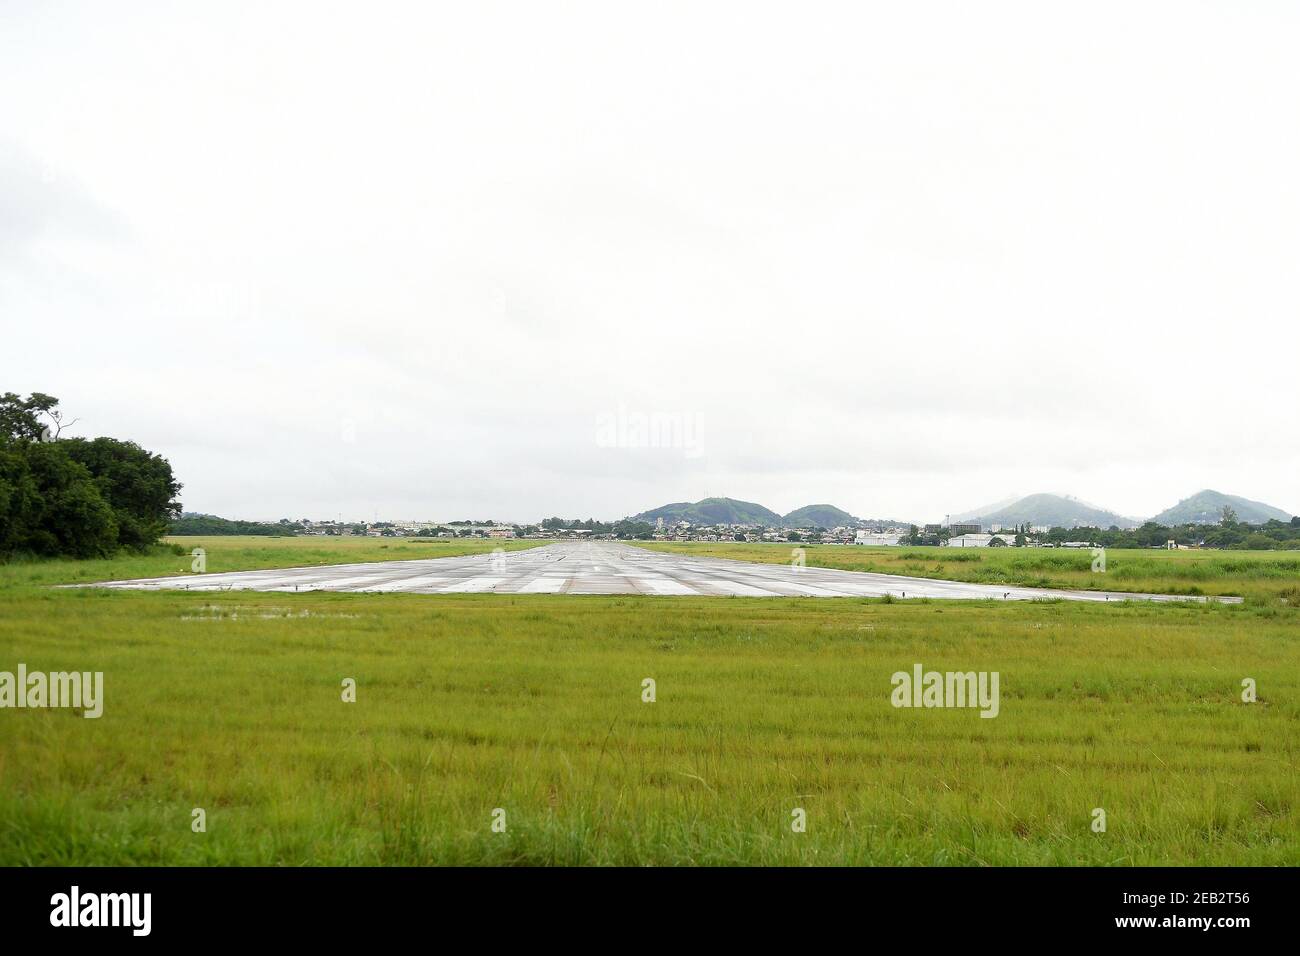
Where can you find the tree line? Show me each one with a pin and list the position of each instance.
(1229, 534)
(76, 497)
(624, 528)
(212, 525)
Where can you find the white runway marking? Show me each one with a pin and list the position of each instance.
(608, 567)
(473, 585)
(664, 586)
(738, 588)
(417, 583)
(811, 591)
(548, 585)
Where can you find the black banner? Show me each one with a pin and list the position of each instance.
(330, 906)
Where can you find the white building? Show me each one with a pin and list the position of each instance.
(876, 538)
(980, 541)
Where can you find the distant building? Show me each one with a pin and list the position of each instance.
(976, 540)
(965, 528)
(876, 538)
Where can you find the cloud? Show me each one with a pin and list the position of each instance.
(901, 261)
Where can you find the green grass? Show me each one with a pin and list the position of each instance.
(1263, 577)
(466, 703)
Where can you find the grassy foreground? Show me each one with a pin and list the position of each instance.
(231, 702)
(1263, 577)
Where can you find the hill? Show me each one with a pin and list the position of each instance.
(820, 516)
(1056, 511)
(1206, 507)
(713, 511)
(974, 513)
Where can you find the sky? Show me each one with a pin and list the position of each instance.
(512, 260)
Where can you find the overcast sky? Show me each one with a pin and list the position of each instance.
(442, 260)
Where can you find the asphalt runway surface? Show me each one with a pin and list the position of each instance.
(608, 567)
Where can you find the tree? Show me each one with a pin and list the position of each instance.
(1228, 516)
(20, 418)
(18, 498)
(58, 509)
(73, 496)
(138, 486)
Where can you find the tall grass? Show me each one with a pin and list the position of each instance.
(1262, 577)
(532, 704)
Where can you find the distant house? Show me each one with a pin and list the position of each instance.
(979, 541)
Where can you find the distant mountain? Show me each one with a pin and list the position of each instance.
(967, 516)
(713, 511)
(1206, 507)
(1056, 511)
(820, 516)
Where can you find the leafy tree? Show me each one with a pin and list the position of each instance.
(73, 496)
(20, 418)
(66, 514)
(19, 498)
(138, 486)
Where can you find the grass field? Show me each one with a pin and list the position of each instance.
(1263, 577)
(231, 702)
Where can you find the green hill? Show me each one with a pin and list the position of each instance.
(1054, 511)
(1206, 507)
(820, 516)
(713, 511)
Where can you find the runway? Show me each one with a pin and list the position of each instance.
(608, 567)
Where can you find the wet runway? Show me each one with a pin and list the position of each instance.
(608, 567)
